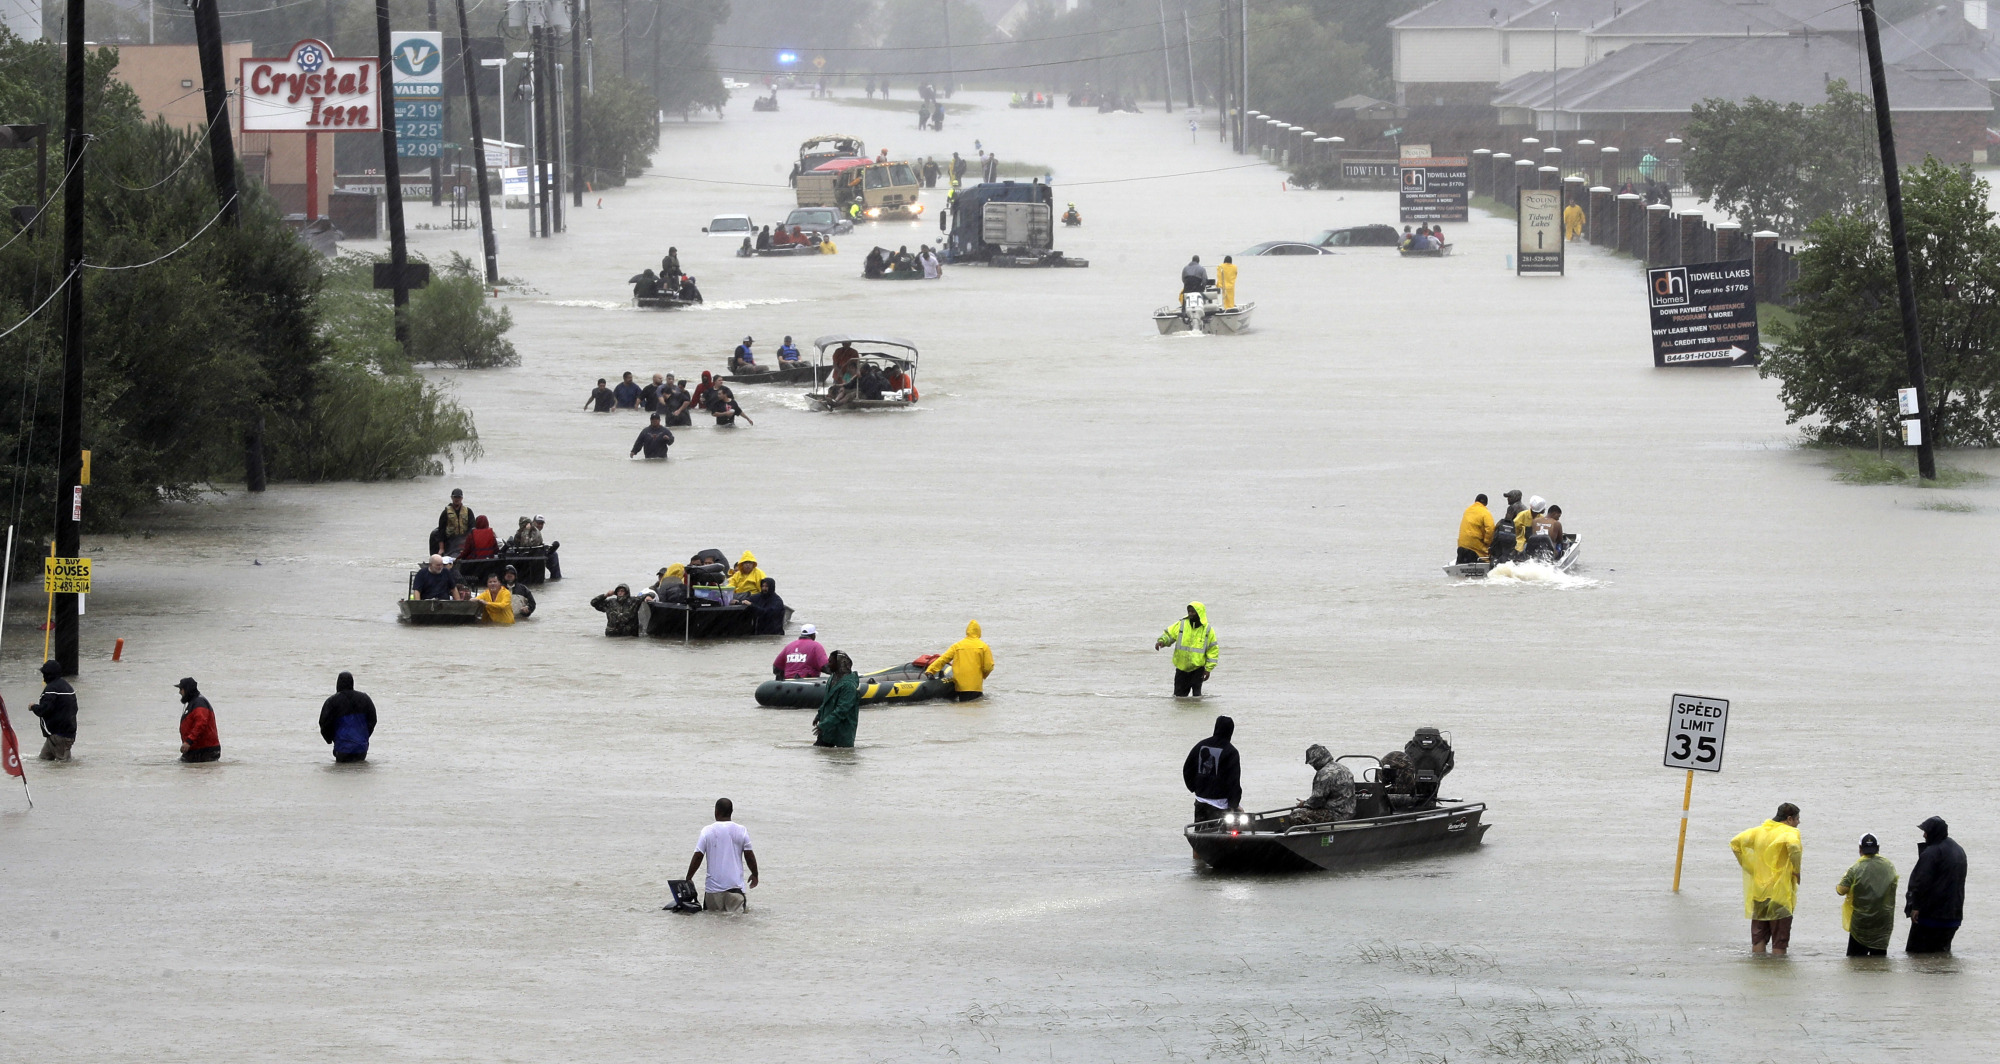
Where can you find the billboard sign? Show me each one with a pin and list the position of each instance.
(1704, 314)
(309, 90)
(1538, 221)
(1434, 189)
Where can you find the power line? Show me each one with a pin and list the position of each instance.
(74, 163)
(935, 47)
(60, 288)
(170, 254)
(1147, 51)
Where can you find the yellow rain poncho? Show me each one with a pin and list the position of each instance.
(970, 659)
(1770, 856)
(1194, 645)
(1225, 279)
(750, 583)
(499, 605)
(1475, 529)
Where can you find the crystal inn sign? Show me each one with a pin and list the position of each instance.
(310, 91)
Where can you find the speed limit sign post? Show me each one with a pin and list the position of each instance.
(1696, 727)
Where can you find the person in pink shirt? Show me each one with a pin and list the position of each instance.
(802, 659)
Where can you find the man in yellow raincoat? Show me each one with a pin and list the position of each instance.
(1769, 854)
(1195, 650)
(1475, 532)
(971, 662)
(746, 579)
(1225, 279)
(1573, 221)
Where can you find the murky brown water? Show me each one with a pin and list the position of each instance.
(1005, 879)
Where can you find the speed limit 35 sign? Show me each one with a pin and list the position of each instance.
(1695, 729)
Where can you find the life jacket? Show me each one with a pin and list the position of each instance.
(480, 543)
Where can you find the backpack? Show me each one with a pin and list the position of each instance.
(685, 899)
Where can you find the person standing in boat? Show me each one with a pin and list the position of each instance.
(347, 720)
(1225, 279)
(1333, 790)
(1214, 772)
(1194, 278)
(839, 705)
(199, 739)
(670, 268)
(654, 439)
(1196, 650)
(1475, 532)
(802, 659)
(454, 524)
(601, 398)
(970, 661)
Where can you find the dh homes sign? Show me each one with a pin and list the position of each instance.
(310, 91)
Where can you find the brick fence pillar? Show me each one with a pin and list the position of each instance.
(1658, 219)
(1631, 238)
(1598, 224)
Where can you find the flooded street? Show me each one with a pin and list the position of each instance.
(1006, 879)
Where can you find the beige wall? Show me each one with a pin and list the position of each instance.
(167, 80)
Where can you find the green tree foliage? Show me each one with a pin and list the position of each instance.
(1780, 166)
(215, 327)
(684, 78)
(1300, 64)
(620, 130)
(1842, 360)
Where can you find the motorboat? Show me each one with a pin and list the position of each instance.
(1203, 312)
(414, 610)
(898, 683)
(782, 373)
(663, 301)
(1426, 253)
(1562, 563)
(1276, 841)
(531, 565)
(699, 620)
(845, 381)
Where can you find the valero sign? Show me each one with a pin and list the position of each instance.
(310, 91)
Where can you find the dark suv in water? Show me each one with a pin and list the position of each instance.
(1360, 236)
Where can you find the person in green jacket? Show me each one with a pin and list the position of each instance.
(839, 705)
(1195, 650)
(1869, 914)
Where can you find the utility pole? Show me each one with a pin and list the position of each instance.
(1187, 37)
(222, 155)
(625, 39)
(539, 178)
(1555, 79)
(392, 173)
(950, 74)
(1225, 84)
(472, 69)
(1899, 239)
(69, 446)
(575, 151)
(659, 16)
(437, 162)
(558, 136)
(1166, 57)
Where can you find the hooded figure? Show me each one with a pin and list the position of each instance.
(57, 708)
(1869, 913)
(746, 579)
(1214, 773)
(1333, 788)
(1195, 650)
(768, 609)
(480, 543)
(672, 584)
(970, 661)
(839, 705)
(1935, 900)
(1770, 857)
(620, 610)
(199, 739)
(347, 720)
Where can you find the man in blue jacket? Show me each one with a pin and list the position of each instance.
(347, 720)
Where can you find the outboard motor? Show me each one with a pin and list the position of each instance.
(1430, 762)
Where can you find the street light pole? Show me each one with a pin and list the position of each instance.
(1555, 77)
(950, 75)
(1899, 240)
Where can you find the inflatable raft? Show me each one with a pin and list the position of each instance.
(897, 683)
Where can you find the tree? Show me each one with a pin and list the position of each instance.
(620, 130)
(1300, 64)
(1781, 165)
(1841, 362)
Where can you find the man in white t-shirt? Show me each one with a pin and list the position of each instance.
(726, 846)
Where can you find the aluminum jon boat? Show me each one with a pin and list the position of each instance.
(1274, 842)
(1478, 570)
(1203, 312)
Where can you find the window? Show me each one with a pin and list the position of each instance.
(878, 177)
(901, 174)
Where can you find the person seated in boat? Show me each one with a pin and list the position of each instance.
(1545, 535)
(1194, 278)
(433, 581)
(480, 542)
(499, 602)
(768, 609)
(1503, 528)
(1475, 532)
(846, 370)
(745, 579)
(524, 599)
(871, 383)
(1397, 777)
(1070, 217)
(905, 263)
(1437, 234)
(647, 286)
(743, 360)
(1525, 520)
(788, 353)
(553, 563)
(764, 239)
(671, 587)
(1422, 241)
(1332, 796)
(688, 291)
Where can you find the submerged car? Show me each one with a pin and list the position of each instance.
(1360, 236)
(730, 225)
(822, 220)
(1284, 247)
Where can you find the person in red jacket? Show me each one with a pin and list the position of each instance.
(480, 542)
(199, 740)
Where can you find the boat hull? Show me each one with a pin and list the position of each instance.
(674, 620)
(1270, 845)
(1217, 322)
(1435, 253)
(1479, 570)
(663, 302)
(439, 611)
(801, 374)
(532, 566)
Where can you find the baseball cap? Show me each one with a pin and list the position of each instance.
(809, 630)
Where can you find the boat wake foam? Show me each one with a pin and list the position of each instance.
(594, 304)
(739, 304)
(1537, 574)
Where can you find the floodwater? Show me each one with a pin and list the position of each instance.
(1005, 880)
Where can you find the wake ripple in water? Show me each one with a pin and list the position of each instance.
(738, 304)
(1534, 574)
(594, 304)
